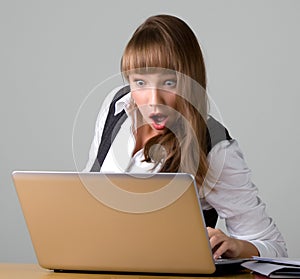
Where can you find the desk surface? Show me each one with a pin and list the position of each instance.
(33, 271)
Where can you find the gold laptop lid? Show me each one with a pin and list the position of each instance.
(76, 223)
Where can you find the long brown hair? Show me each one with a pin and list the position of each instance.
(165, 41)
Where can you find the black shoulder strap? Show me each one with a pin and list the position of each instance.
(111, 128)
(216, 133)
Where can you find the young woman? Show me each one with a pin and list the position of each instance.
(169, 130)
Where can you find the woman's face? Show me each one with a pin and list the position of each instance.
(155, 96)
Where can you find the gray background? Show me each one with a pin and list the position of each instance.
(53, 53)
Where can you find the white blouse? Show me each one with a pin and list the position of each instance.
(234, 196)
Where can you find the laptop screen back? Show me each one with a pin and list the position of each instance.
(75, 223)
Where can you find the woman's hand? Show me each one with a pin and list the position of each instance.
(227, 247)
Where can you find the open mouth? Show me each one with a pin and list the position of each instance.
(159, 120)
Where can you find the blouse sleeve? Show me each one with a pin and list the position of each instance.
(235, 197)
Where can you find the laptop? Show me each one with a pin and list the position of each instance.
(110, 222)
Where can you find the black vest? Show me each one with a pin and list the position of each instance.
(216, 133)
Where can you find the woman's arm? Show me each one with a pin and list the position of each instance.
(99, 126)
(234, 196)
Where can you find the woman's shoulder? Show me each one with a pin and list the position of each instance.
(226, 155)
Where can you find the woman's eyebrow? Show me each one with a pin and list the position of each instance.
(169, 76)
(140, 76)
(134, 77)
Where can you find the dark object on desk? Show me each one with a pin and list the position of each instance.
(229, 266)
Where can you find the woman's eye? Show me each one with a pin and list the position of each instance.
(140, 83)
(170, 83)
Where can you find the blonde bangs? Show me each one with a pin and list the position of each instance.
(148, 55)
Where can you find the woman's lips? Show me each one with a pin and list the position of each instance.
(159, 120)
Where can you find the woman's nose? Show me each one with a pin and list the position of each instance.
(155, 97)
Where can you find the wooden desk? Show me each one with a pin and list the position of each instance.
(33, 271)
